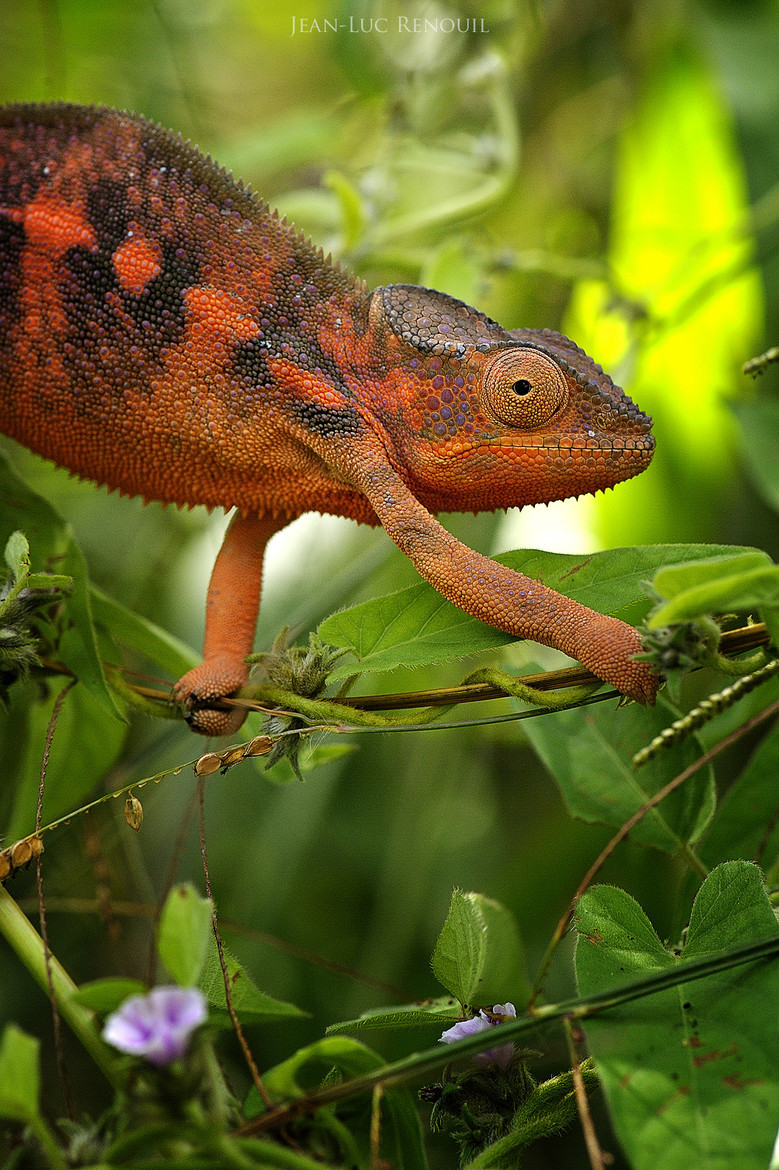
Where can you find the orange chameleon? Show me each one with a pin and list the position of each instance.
(162, 331)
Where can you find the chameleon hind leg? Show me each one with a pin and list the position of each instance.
(232, 606)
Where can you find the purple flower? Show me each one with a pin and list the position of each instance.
(502, 1053)
(157, 1026)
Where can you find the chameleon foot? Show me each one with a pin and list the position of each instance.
(611, 646)
(216, 678)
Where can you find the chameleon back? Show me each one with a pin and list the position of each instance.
(143, 294)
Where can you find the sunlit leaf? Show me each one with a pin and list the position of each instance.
(684, 307)
(416, 626)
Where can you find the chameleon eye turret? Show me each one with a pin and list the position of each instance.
(524, 388)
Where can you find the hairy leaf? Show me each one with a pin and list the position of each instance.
(690, 1074)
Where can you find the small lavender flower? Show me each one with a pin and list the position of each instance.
(502, 1054)
(157, 1026)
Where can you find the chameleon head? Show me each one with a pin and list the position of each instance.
(484, 418)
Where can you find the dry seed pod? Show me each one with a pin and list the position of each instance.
(208, 764)
(133, 813)
(231, 756)
(5, 864)
(21, 854)
(259, 746)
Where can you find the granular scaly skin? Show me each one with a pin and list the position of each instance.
(163, 332)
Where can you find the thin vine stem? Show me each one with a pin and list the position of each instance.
(621, 834)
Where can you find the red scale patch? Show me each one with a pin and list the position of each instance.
(137, 262)
(220, 313)
(54, 226)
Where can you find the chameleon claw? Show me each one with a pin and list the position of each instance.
(217, 677)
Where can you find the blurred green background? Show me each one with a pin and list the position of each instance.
(608, 168)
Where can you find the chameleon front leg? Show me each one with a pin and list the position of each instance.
(231, 617)
(495, 594)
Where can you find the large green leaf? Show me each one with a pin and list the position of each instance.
(691, 1075)
(417, 627)
(588, 753)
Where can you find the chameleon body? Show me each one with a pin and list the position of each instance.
(163, 332)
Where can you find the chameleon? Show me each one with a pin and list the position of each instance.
(165, 333)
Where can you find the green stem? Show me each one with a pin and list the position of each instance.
(331, 711)
(429, 1061)
(24, 939)
(518, 689)
(270, 1153)
(51, 1150)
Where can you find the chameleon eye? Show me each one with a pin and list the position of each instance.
(523, 387)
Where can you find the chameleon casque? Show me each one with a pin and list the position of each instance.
(163, 332)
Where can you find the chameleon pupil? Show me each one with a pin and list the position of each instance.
(522, 387)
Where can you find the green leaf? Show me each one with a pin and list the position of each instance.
(436, 1012)
(251, 1004)
(19, 1076)
(689, 1073)
(17, 555)
(417, 627)
(675, 579)
(141, 635)
(336, 1057)
(87, 742)
(720, 592)
(478, 956)
(106, 995)
(588, 753)
(50, 541)
(305, 1069)
(184, 933)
